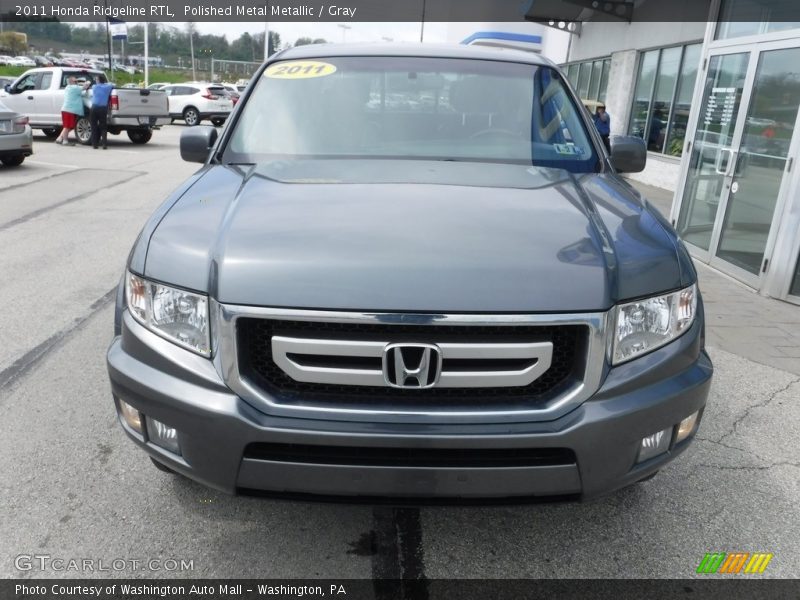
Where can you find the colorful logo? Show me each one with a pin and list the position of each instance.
(734, 562)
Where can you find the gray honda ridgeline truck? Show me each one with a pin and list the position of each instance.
(409, 271)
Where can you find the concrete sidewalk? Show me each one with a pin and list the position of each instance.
(738, 320)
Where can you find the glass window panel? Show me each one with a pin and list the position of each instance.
(597, 74)
(662, 98)
(583, 80)
(795, 289)
(751, 17)
(601, 94)
(572, 75)
(642, 93)
(683, 100)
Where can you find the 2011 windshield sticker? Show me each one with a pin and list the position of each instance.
(299, 69)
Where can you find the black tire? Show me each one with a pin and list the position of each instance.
(51, 132)
(217, 122)
(191, 117)
(648, 477)
(162, 467)
(140, 136)
(83, 131)
(13, 161)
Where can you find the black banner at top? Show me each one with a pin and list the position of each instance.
(774, 11)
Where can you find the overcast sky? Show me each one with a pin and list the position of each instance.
(555, 46)
(357, 32)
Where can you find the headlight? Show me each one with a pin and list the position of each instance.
(177, 315)
(648, 324)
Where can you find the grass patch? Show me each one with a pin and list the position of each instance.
(120, 78)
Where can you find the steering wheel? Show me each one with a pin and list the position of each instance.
(492, 131)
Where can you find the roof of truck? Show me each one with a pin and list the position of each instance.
(415, 49)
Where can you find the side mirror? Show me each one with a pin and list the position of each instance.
(7, 88)
(628, 153)
(196, 142)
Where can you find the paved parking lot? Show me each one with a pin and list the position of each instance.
(74, 487)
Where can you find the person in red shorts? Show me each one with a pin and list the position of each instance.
(71, 110)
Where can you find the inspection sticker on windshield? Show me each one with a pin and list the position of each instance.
(567, 149)
(299, 69)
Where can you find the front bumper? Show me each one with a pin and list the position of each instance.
(218, 432)
(128, 122)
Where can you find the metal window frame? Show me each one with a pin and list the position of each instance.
(642, 53)
(678, 81)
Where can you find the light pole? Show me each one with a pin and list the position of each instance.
(146, 55)
(191, 47)
(344, 31)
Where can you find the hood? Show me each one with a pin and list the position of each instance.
(461, 238)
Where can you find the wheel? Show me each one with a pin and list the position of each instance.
(13, 161)
(51, 132)
(140, 136)
(648, 477)
(83, 131)
(162, 467)
(217, 122)
(190, 116)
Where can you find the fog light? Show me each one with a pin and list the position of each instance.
(686, 427)
(162, 435)
(653, 445)
(131, 416)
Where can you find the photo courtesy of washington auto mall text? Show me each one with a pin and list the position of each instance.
(399, 299)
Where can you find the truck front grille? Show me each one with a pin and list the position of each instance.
(511, 350)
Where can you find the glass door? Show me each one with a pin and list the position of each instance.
(713, 150)
(762, 160)
(740, 152)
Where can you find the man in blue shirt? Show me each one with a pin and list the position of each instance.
(98, 115)
(602, 120)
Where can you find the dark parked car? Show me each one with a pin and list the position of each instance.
(449, 294)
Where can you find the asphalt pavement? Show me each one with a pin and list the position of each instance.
(73, 486)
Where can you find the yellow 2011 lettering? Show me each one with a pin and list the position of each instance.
(299, 69)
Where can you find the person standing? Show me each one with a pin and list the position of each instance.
(98, 114)
(602, 121)
(71, 110)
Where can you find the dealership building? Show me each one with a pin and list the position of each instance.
(715, 96)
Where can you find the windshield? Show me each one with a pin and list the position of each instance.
(412, 108)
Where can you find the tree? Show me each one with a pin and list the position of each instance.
(305, 41)
(242, 48)
(274, 43)
(14, 42)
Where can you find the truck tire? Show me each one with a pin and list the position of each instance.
(140, 136)
(83, 131)
(13, 161)
(162, 467)
(51, 132)
(190, 116)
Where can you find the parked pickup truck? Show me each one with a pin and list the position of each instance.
(39, 93)
(410, 271)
